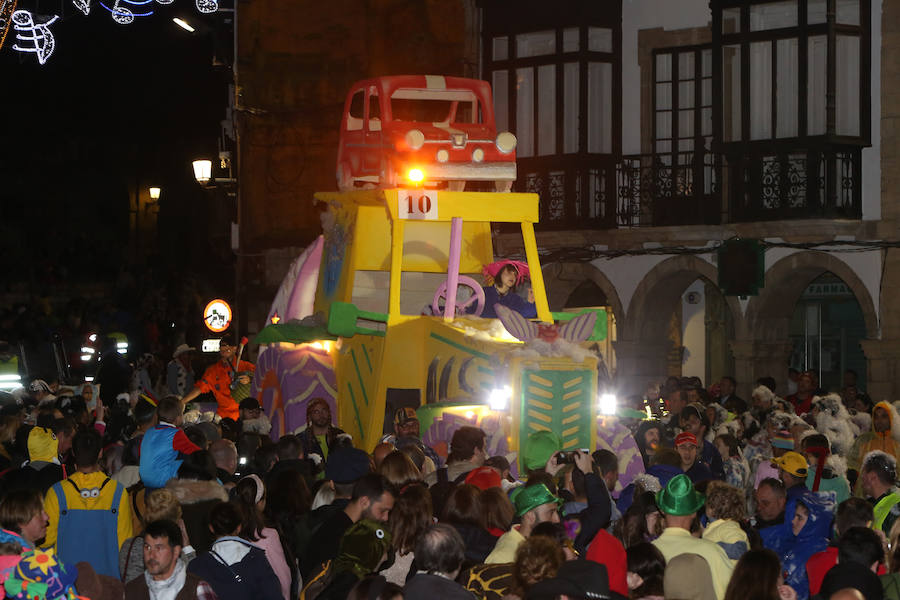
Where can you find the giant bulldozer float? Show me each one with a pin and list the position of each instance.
(383, 310)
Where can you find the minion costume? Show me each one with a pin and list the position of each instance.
(43, 468)
(88, 510)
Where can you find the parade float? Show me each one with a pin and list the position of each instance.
(383, 310)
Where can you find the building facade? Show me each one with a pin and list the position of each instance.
(768, 121)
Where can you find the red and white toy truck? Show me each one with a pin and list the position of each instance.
(422, 130)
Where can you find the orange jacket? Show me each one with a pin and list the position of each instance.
(217, 380)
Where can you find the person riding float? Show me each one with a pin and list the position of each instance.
(502, 278)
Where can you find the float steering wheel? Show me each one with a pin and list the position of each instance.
(477, 298)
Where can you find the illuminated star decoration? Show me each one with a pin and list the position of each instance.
(124, 16)
(7, 8)
(35, 37)
(275, 319)
(42, 560)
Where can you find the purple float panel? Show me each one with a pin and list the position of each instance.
(614, 436)
(287, 379)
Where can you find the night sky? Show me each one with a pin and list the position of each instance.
(115, 107)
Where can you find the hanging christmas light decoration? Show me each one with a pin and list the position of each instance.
(7, 8)
(33, 37)
(207, 6)
(33, 32)
(123, 15)
(83, 5)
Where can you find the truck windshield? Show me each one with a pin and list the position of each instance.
(435, 106)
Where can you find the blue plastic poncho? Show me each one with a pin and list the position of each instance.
(795, 550)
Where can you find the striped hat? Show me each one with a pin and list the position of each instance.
(783, 439)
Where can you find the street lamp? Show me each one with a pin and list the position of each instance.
(183, 24)
(202, 171)
(204, 175)
(154, 193)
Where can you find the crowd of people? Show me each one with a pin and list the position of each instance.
(132, 496)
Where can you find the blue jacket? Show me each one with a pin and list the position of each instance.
(511, 300)
(713, 460)
(160, 452)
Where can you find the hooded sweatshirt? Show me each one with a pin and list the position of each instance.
(639, 438)
(237, 569)
(886, 441)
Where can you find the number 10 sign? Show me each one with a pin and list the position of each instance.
(419, 205)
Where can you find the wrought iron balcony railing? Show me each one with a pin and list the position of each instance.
(693, 188)
(575, 193)
(667, 189)
(802, 184)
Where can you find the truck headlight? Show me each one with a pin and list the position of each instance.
(415, 139)
(608, 404)
(499, 398)
(477, 155)
(442, 155)
(506, 142)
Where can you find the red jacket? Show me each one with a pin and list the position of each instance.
(607, 550)
(819, 564)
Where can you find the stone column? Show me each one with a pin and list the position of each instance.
(639, 363)
(889, 121)
(755, 359)
(882, 368)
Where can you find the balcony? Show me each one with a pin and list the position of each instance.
(655, 189)
(694, 188)
(804, 184)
